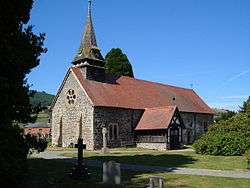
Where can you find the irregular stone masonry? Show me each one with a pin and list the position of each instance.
(71, 115)
(95, 118)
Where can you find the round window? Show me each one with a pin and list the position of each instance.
(71, 96)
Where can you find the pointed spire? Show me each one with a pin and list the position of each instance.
(88, 48)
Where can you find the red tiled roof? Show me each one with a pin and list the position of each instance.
(156, 118)
(139, 94)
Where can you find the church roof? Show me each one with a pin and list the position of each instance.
(88, 47)
(139, 94)
(156, 118)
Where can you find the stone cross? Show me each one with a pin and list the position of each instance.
(104, 138)
(80, 171)
(112, 173)
(80, 147)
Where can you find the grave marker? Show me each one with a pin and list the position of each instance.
(112, 173)
(156, 182)
(104, 138)
(80, 171)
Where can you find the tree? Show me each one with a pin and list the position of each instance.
(225, 116)
(20, 49)
(117, 63)
(248, 110)
(244, 107)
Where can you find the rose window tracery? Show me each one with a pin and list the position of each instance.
(71, 96)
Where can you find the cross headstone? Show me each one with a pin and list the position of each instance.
(80, 146)
(104, 138)
(112, 173)
(80, 171)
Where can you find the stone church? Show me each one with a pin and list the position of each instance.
(135, 112)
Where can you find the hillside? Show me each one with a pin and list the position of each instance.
(42, 98)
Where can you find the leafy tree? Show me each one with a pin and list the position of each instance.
(244, 107)
(225, 116)
(248, 110)
(20, 49)
(117, 63)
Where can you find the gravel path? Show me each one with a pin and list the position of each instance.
(177, 170)
(52, 154)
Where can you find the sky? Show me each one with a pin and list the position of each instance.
(199, 44)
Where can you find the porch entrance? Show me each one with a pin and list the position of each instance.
(174, 138)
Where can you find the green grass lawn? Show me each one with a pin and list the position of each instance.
(55, 173)
(170, 159)
(42, 117)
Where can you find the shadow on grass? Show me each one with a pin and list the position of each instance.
(166, 160)
(56, 173)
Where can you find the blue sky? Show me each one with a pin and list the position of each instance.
(204, 44)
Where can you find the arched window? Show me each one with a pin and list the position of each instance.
(113, 131)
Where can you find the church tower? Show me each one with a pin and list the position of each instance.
(89, 57)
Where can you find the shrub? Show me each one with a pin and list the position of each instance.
(13, 156)
(36, 143)
(230, 137)
(14, 148)
(222, 143)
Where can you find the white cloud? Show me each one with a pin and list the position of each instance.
(233, 97)
(195, 73)
(238, 75)
(225, 105)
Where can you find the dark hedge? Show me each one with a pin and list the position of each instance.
(14, 148)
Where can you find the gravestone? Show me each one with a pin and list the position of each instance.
(156, 182)
(80, 171)
(104, 138)
(112, 173)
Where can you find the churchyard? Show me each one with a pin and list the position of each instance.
(56, 172)
(102, 103)
(184, 158)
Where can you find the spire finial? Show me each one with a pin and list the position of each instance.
(89, 7)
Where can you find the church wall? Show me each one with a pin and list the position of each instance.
(125, 119)
(154, 146)
(69, 115)
(195, 125)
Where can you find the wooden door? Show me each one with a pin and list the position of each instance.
(174, 138)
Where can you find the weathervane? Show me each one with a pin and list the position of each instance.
(90, 2)
(89, 7)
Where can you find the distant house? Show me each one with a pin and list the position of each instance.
(39, 129)
(219, 111)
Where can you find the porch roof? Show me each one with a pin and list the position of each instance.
(156, 118)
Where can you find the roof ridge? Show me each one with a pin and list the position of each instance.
(161, 107)
(152, 82)
(133, 95)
